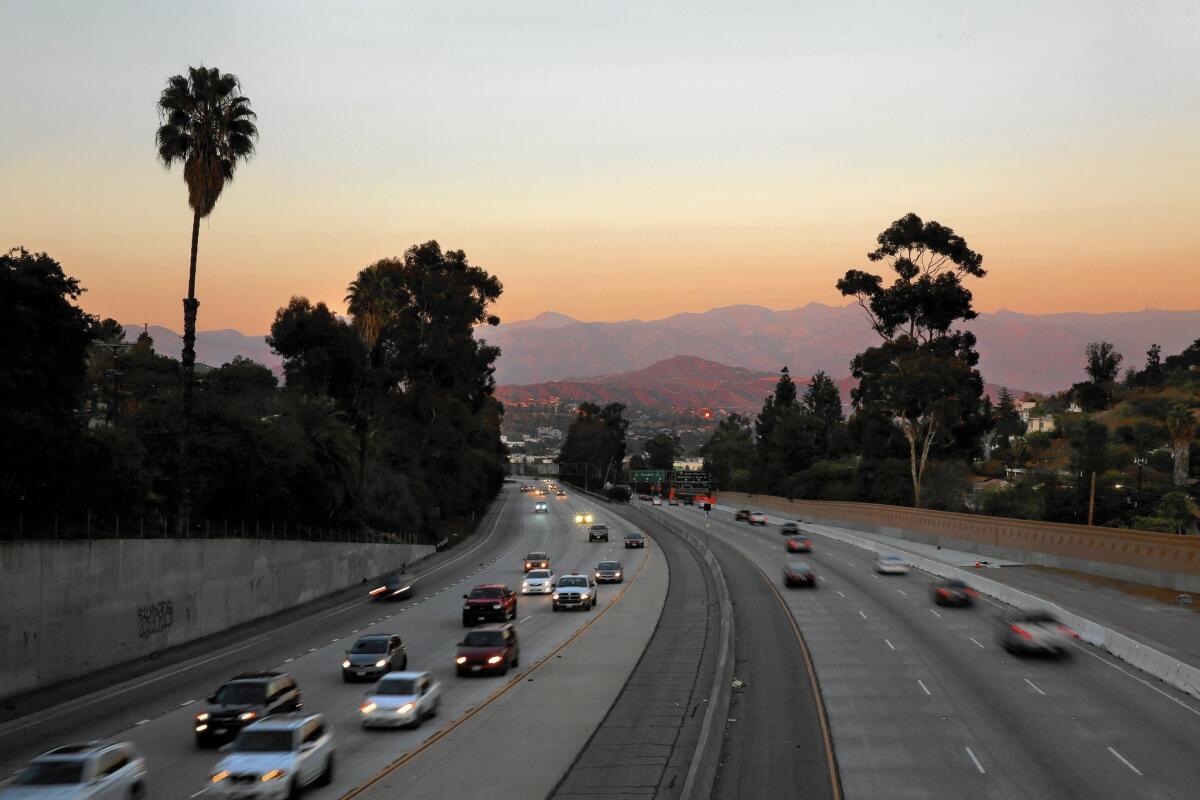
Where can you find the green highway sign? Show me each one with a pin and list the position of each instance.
(647, 475)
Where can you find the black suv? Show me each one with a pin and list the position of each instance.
(742, 514)
(244, 699)
(598, 533)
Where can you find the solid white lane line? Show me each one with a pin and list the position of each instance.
(936, 614)
(861, 614)
(1174, 700)
(186, 703)
(976, 641)
(889, 644)
(978, 766)
(144, 721)
(901, 591)
(527, 618)
(197, 794)
(1031, 683)
(1125, 761)
(839, 591)
(924, 688)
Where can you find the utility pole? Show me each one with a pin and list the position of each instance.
(1137, 500)
(1092, 500)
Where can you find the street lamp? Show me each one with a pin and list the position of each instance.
(1141, 462)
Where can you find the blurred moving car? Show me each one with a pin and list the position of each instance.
(393, 587)
(584, 519)
(673, 501)
(757, 518)
(891, 565)
(492, 648)
(953, 592)
(609, 572)
(537, 560)
(635, 539)
(276, 758)
(373, 655)
(688, 501)
(799, 544)
(1034, 632)
(560, 494)
(598, 533)
(487, 602)
(799, 575)
(657, 501)
(741, 514)
(790, 528)
(83, 770)
(574, 591)
(643, 497)
(540, 507)
(401, 698)
(242, 700)
(538, 581)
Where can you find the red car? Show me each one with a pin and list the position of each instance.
(488, 602)
(799, 545)
(491, 648)
(799, 575)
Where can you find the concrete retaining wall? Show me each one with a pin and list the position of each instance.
(68, 608)
(1156, 559)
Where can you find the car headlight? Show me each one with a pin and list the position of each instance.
(367, 708)
(219, 776)
(404, 709)
(597, 574)
(524, 584)
(495, 659)
(381, 662)
(554, 596)
(579, 518)
(273, 775)
(247, 715)
(201, 728)
(202, 716)
(617, 574)
(583, 596)
(460, 660)
(497, 606)
(346, 664)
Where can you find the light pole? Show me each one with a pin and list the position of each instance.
(1137, 499)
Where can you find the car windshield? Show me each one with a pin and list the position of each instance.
(47, 773)
(484, 639)
(249, 741)
(633, 536)
(799, 567)
(485, 593)
(955, 584)
(599, 527)
(892, 559)
(396, 686)
(539, 573)
(573, 582)
(536, 557)
(370, 646)
(1040, 616)
(608, 565)
(240, 694)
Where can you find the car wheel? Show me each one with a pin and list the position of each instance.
(516, 662)
(137, 792)
(326, 777)
(466, 623)
(345, 678)
(404, 663)
(433, 711)
(293, 790)
(554, 606)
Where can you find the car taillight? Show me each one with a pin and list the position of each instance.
(1068, 631)
(971, 592)
(943, 593)
(1021, 632)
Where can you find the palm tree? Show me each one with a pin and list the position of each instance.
(368, 301)
(1181, 424)
(205, 123)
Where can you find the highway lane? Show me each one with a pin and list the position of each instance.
(923, 703)
(430, 625)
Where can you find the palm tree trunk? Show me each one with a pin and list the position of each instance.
(1182, 459)
(190, 306)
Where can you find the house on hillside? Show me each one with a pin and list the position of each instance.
(1035, 422)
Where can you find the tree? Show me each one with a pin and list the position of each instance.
(823, 400)
(729, 453)
(661, 451)
(1008, 421)
(1152, 374)
(1181, 424)
(923, 373)
(596, 439)
(321, 354)
(1178, 509)
(205, 123)
(781, 403)
(1103, 366)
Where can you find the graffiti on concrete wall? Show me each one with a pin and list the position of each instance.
(155, 618)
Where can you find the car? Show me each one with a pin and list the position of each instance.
(1034, 632)
(688, 501)
(741, 514)
(799, 544)
(491, 648)
(392, 587)
(643, 497)
(243, 699)
(584, 519)
(560, 495)
(401, 698)
(538, 581)
(790, 528)
(598, 533)
(757, 518)
(797, 574)
(634, 539)
(953, 592)
(610, 572)
(891, 565)
(276, 758)
(373, 655)
(540, 507)
(673, 501)
(657, 501)
(488, 602)
(82, 770)
(536, 560)
(574, 591)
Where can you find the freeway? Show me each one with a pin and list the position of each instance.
(923, 703)
(155, 711)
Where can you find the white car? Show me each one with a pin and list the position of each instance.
(891, 565)
(401, 698)
(275, 758)
(538, 581)
(757, 518)
(540, 507)
(85, 770)
(657, 501)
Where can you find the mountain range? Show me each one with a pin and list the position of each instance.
(1036, 352)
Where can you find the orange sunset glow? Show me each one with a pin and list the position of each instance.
(619, 163)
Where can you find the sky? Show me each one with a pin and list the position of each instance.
(613, 160)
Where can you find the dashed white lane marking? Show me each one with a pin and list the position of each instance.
(186, 703)
(144, 721)
(979, 766)
(839, 591)
(861, 614)
(901, 591)
(331, 641)
(976, 641)
(1125, 761)
(924, 688)
(197, 794)
(821, 578)
(527, 618)
(889, 644)
(851, 563)
(936, 614)
(1033, 685)
(288, 660)
(312, 649)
